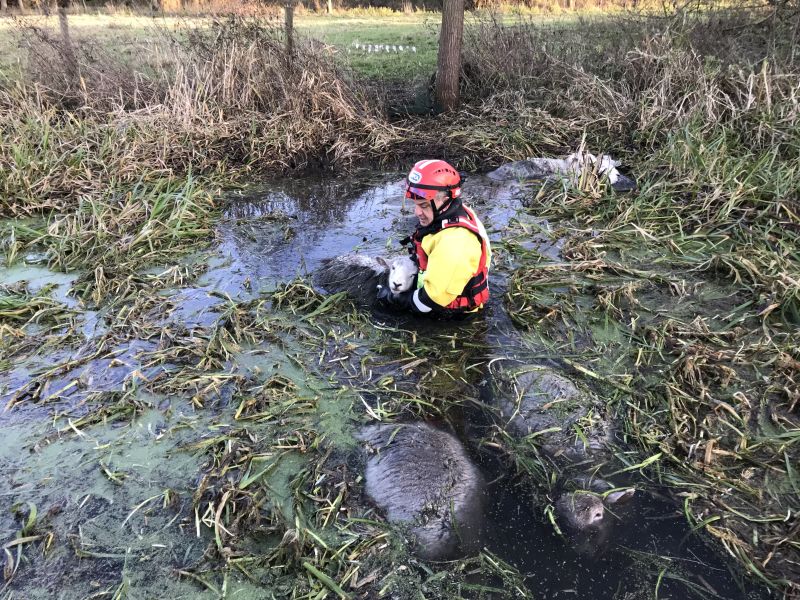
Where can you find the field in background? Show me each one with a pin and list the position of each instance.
(351, 33)
(129, 35)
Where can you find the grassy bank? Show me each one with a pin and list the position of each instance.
(680, 302)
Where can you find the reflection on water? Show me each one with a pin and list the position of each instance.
(286, 231)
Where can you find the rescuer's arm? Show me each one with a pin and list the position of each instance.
(407, 301)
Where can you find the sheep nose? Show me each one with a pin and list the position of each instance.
(396, 286)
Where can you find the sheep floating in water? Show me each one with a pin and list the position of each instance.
(571, 427)
(570, 168)
(538, 400)
(581, 509)
(421, 476)
(360, 275)
(581, 505)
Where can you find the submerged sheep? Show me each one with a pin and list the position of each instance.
(570, 168)
(570, 426)
(568, 421)
(584, 509)
(421, 476)
(360, 275)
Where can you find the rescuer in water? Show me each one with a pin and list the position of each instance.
(450, 246)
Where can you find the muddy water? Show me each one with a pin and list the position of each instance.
(117, 491)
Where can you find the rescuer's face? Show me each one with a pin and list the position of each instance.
(423, 210)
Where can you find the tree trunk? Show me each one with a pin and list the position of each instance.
(3, 5)
(21, 4)
(288, 10)
(449, 65)
(67, 49)
(408, 7)
(329, 6)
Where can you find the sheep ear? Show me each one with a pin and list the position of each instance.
(620, 497)
(382, 261)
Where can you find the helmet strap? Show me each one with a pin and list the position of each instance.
(436, 212)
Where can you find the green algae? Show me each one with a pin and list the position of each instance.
(98, 531)
(38, 278)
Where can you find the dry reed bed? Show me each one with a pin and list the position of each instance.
(125, 166)
(237, 104)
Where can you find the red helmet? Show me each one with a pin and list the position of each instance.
(428, 177)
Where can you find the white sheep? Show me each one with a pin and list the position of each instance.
(360, 275)
(402, 271)
(570, 168)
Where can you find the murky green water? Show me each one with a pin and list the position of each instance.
(110, 434)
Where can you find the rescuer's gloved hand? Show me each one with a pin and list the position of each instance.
(402, 301)
(383, 294)
(386, 298)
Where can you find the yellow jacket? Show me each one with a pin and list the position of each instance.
(454, 256)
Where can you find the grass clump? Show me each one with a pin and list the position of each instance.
(19, 307)
(681, 299)
(695, 335)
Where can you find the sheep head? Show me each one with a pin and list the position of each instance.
(402, 271)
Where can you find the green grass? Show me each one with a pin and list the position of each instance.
(418, 31)
(128, 35)
(124, 35)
